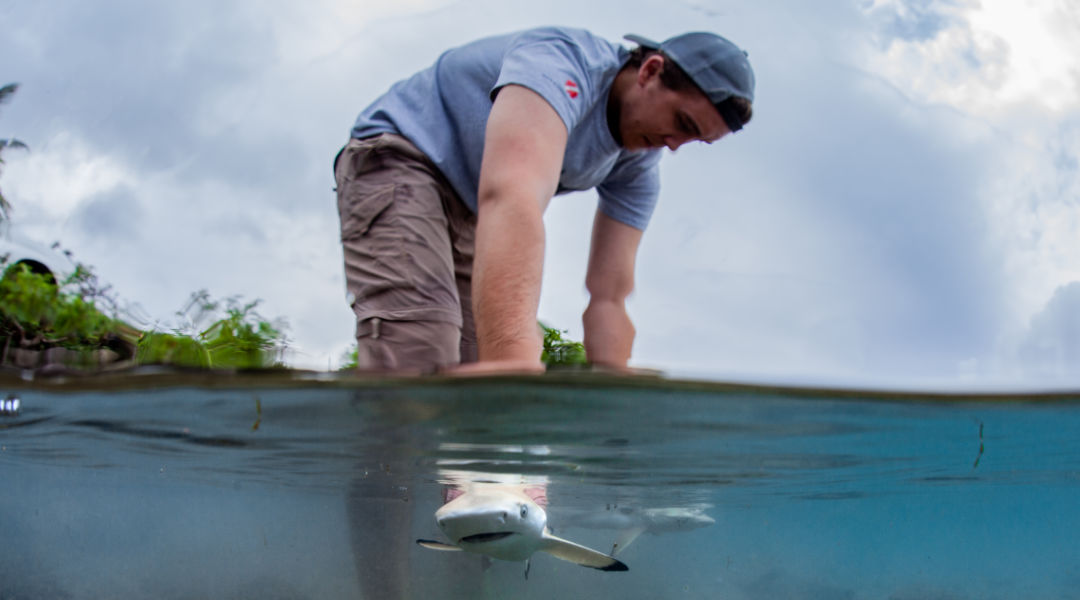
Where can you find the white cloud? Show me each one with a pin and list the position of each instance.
(1043, 43)
(1049, 351)
(1033, 202)
(983, 57)
(1012, 66)
(321, 29)
(52, 180)
(157, 236)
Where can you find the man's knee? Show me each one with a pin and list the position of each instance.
(407, 346)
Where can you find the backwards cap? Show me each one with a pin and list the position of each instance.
(720, 68)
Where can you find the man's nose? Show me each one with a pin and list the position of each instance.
(674, 141)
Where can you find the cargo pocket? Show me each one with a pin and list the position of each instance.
(366, 185)
(360, 204)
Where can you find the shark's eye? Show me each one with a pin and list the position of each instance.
(524, 511)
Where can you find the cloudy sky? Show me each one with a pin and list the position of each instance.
(904, 208)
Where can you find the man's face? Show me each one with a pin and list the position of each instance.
(654, 116)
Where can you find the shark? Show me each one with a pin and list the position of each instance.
(504, 523)
(632, 522)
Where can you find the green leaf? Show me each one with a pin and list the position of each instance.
(559, 351)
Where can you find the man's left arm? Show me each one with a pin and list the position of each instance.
(609, 333)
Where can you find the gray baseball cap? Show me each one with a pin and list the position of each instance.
(720, 68)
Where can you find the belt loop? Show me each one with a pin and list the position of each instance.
(375, 327)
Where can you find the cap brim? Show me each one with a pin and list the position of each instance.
(642, 41)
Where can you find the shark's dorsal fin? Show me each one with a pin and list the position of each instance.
(576, 553)
(438, 545)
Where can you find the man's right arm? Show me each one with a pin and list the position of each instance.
(523, 151)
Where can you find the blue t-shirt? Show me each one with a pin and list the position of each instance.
(443, 110)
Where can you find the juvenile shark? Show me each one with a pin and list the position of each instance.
(632, 522)
(502, 522)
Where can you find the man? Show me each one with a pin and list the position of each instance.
(443, 186)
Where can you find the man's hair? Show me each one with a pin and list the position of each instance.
(674, 78)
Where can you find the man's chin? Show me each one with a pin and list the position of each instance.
(635, 144)
(643, 145)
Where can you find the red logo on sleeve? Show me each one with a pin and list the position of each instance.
(571, 88)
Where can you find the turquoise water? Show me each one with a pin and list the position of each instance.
(294, 486)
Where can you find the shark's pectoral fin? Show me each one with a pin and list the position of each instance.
(626, 539)
(576, 553)
(438, 545)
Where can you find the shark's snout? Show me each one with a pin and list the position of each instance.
(507, 524)
(502, 524)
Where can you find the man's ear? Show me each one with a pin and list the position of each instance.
(650, 68)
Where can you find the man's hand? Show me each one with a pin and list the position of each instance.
(523, 152)
(498, 367)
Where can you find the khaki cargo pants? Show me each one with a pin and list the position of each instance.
(408, 242)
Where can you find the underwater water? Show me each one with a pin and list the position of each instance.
(304, 486)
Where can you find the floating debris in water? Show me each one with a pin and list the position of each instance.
(982, 448)
(258, 414)
(9, 407)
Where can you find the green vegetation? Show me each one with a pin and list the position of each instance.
(559, 351)
(45, 324)
(351, 359)
(241, 339)
(36, 314)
